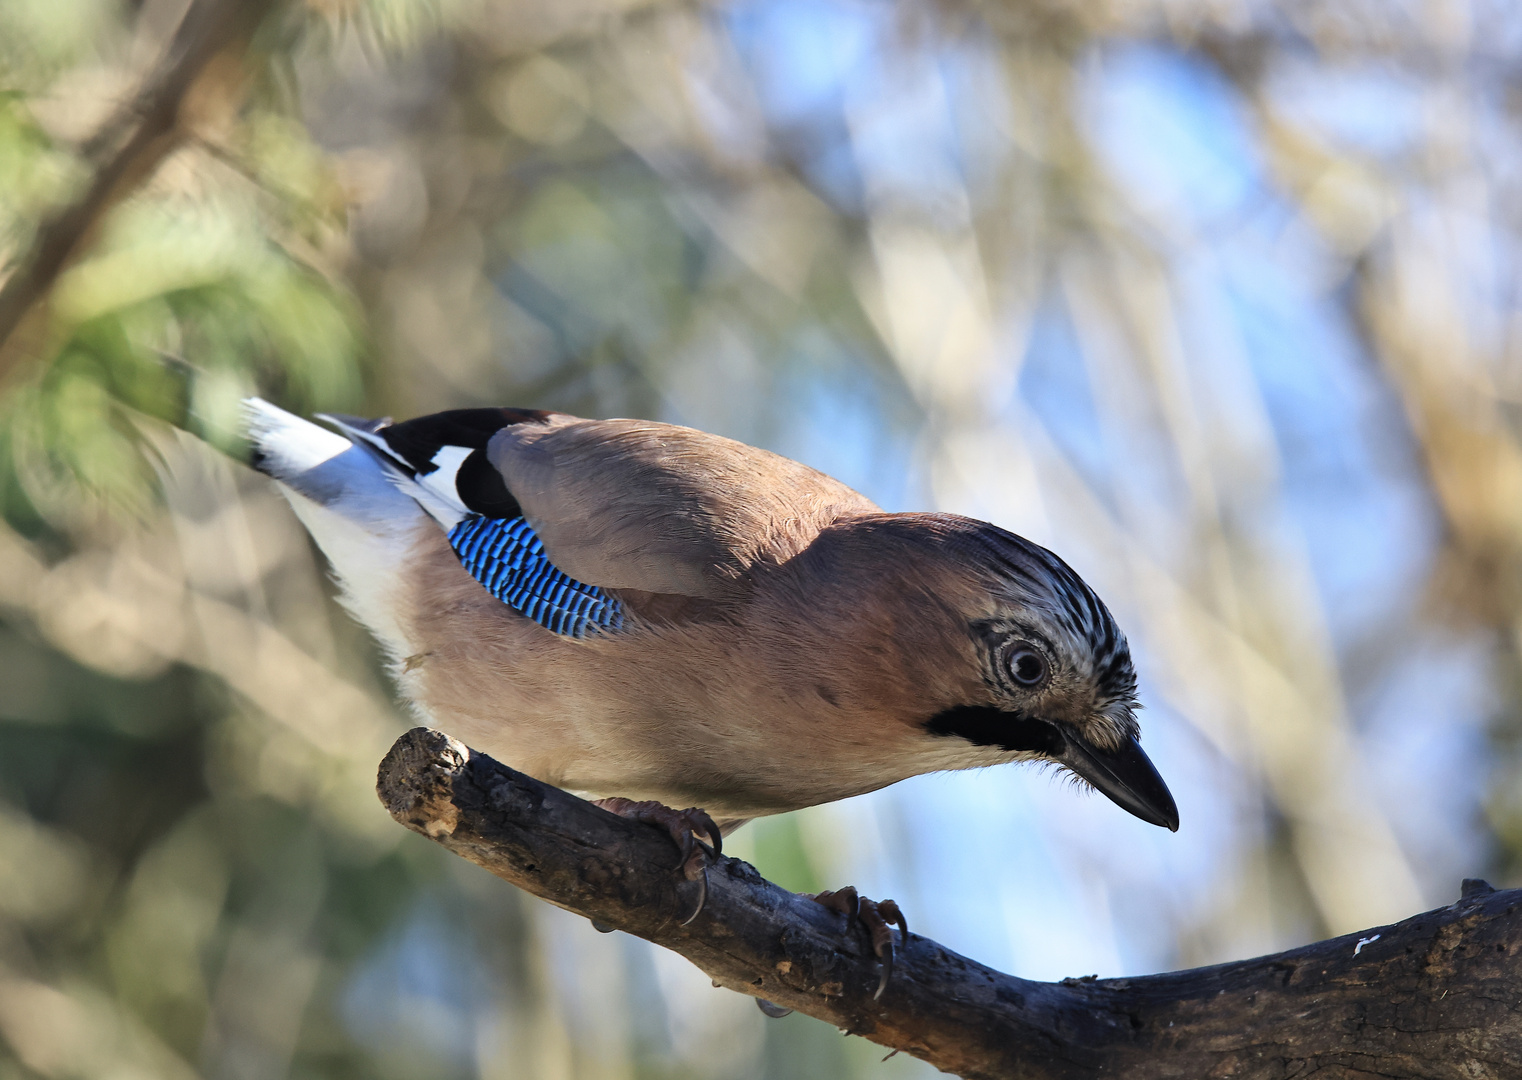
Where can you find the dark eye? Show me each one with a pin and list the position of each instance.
(1026, 665)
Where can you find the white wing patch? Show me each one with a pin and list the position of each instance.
(441, 482)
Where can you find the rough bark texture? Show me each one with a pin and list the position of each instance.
(1436, 996)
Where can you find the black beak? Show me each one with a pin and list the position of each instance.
(1126, 775)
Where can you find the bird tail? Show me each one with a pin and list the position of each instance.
(326, 468)
(349, 501)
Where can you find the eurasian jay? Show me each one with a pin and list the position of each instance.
(643, 612)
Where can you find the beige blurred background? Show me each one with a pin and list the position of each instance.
(1220, 300)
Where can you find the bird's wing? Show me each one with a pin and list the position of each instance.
(616, 504)
(633, 504)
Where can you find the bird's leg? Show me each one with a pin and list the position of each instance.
(686, 827)
(878, 916)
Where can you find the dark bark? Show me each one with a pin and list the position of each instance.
(1436, 996)
(126, 151)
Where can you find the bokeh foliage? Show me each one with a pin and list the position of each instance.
(1218, 300)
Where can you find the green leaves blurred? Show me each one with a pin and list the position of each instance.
(38, 38)
(214, 283)
(35, 176)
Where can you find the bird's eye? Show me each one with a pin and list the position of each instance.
(1026, 665)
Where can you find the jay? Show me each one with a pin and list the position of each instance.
(657, 617)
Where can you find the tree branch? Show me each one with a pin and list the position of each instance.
(125, 152)
(1436, 996)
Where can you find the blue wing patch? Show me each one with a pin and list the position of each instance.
(506, 556)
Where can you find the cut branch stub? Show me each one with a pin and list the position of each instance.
(1436, 996)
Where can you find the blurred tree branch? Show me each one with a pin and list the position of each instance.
(198, 79)
(1434, 996)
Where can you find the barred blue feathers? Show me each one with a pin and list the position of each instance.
(507, 557)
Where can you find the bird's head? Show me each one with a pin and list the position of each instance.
(1012, 653)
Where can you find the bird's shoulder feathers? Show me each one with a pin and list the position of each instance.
(634, 504)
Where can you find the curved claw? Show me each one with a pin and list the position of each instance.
(687, 829)
(776, 1012)
(686, 845)
(846, 901)
(712, 829)
(886, 954)
(702, 896)
(878, 918)
(693, 824)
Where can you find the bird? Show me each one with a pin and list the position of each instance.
(657, 617)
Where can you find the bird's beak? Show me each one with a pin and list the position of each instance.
(1126, 775)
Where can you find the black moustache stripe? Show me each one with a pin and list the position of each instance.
(984, 725)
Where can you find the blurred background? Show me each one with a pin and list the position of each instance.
(1217, 298)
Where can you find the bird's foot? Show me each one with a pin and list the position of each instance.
(686, 828)
(878, 916)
